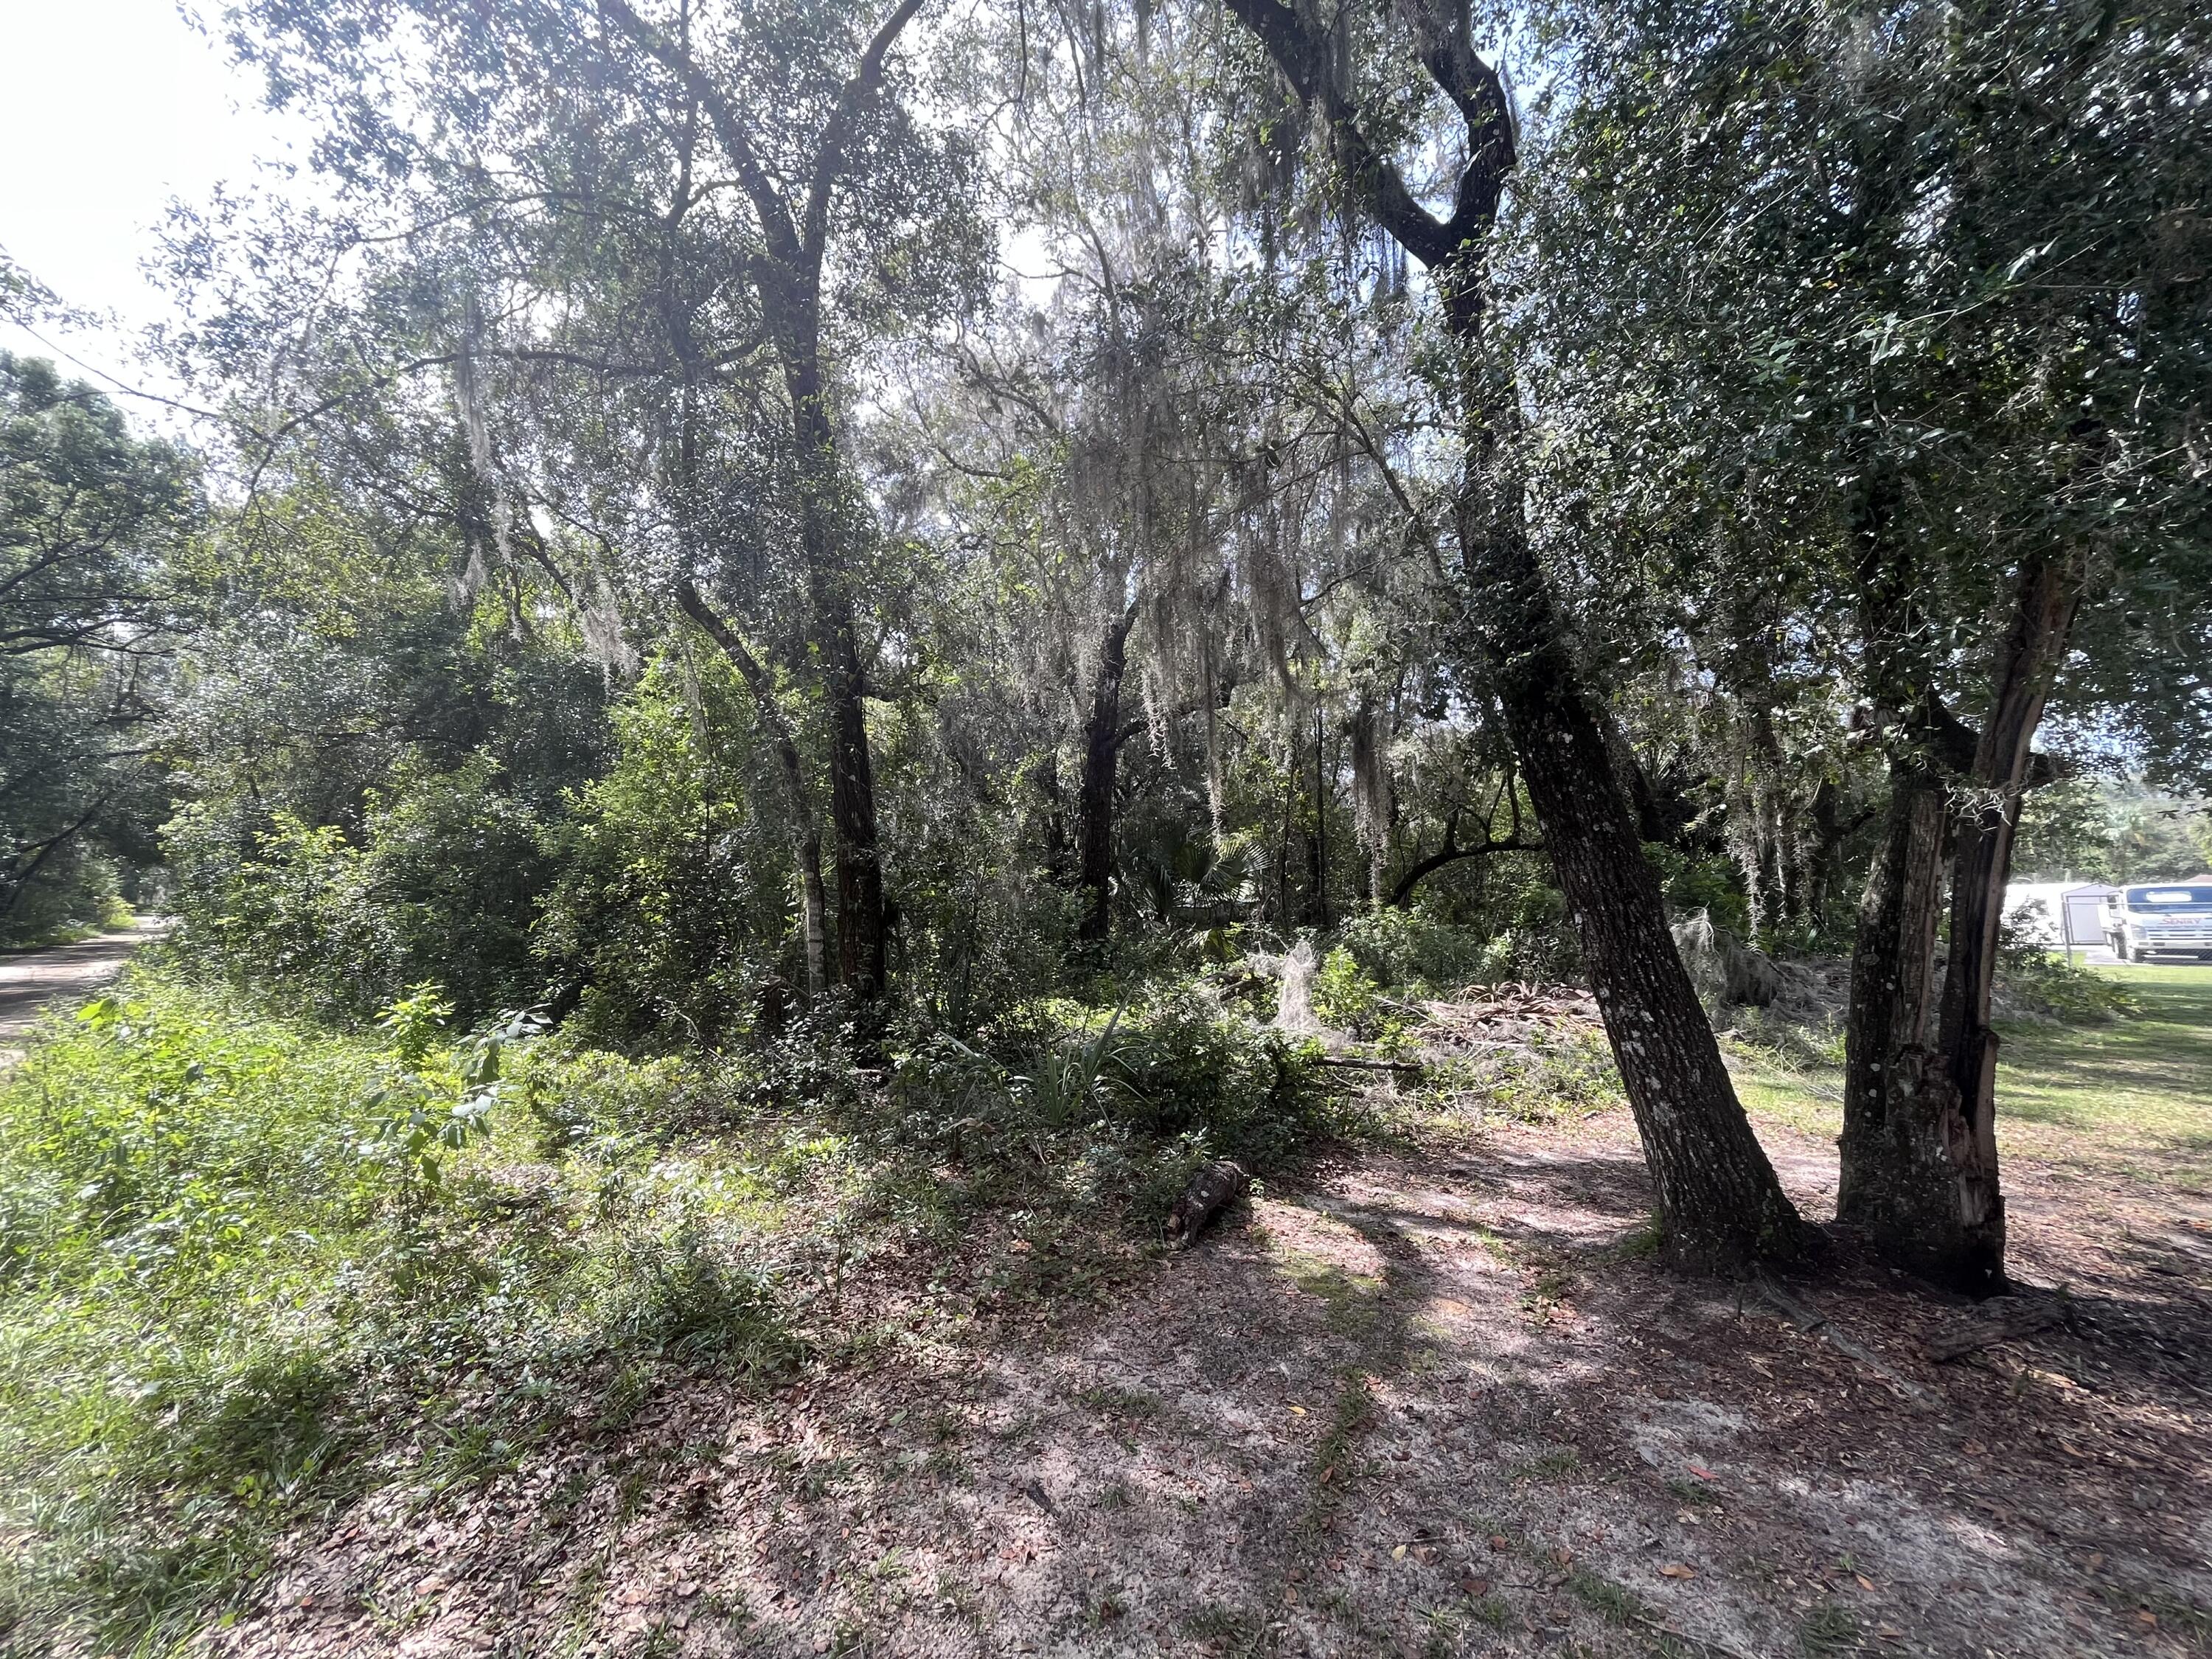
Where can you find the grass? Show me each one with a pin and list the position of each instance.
(251, 1269)
(2132, 1095)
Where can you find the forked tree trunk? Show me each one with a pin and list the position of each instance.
(794, 231)
(1919, 1145)
(1102, 738)
(2035, 646)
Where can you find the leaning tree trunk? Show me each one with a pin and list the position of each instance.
(1102, 738)
(806, 834)
(1720, 1207)
(1719, 1203)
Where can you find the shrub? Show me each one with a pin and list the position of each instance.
(442, 886)
(1403, 947)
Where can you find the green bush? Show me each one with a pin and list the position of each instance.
(442, 885)
(675, 900)
(237, 1255)
(1403, 947)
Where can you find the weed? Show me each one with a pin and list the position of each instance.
(1559, 1463)
(1827, 1629)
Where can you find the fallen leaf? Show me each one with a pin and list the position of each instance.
(1297, 1410)
(1865, 1583)
(1889, 1632)
(1328, 1472)
(1470, 1585)
(1562, 1555)
(1424, 1553)
(2148, 1619)
(1678, 1570)
(2096, 1559)
(1497, 1540)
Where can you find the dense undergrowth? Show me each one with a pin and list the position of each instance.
(249, 1268)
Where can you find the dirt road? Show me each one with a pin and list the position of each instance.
(31, 979)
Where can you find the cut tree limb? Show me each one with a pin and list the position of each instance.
(1989, 1333)
(1211, 1190)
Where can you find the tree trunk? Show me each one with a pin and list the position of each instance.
(2033, 648)
(1102, 753)
(1720, 1207)
(1898, 1117)
(806, 834)
(863, 938)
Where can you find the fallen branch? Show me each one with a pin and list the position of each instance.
(1819, 1324)
(1211, 1190)
(1410, 1067)
(1989, 1333)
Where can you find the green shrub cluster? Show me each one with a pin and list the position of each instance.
(244, 1265)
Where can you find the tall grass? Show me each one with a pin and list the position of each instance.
(239, 1279)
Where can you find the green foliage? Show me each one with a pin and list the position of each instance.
(1346, 997)
(88, 516)
(442, 886)
(1405, 947)
(226, 1273)
(2036, 983)
(2084, 828)
(673, 904)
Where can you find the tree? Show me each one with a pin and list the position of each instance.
(1719, 1202)
(577, 157)
(87, 614)
(1891, 313)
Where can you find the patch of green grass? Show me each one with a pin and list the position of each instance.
(2132, 1095)
(1559, 1463)
(1827, 1630)
(1609, 1600)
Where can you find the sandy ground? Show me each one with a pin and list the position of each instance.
(1431, 1401)
(31, 979)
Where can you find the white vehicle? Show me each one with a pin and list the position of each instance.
(2159, 918)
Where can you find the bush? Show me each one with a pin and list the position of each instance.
(442, 886)
(1403, 947)
(236, 1255)
(674, 904)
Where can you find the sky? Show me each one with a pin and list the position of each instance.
(111, 109)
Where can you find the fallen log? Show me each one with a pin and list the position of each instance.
(1211, 1190)
(1989, 1333)
(1410, 1067)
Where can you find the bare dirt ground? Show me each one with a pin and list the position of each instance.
(29, 979)
(1432, 1400)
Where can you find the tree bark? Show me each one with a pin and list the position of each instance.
(1102, 738)
(1720, 1207)
(1900, 1118)
(2048, 590)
